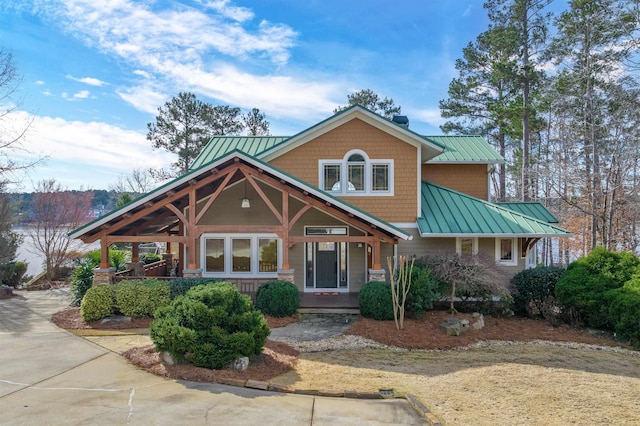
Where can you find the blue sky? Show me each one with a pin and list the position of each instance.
(94, 72)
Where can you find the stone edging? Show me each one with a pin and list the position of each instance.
(382, 394)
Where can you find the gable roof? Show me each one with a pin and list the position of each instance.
(465, 150)
(269, 147)
(449, 213)
(205, 171)
(531, 208)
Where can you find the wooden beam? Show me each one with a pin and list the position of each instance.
(331, 239)
(111, 239)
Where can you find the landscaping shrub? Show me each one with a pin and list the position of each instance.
(98, 303)
(585, 284)
(624, 311)
(422, 293)
(82, 278)
(210, 326)
(11, 273)
(148, 258)
(141, 298)
(375, 301)
(278, 298)
(180, 286)
(532, 287)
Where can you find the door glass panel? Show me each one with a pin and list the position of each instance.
(241, 250)
(343, 265)
(215, 255)
(268, 256)
(309, 264)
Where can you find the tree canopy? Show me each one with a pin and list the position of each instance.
(367, 98)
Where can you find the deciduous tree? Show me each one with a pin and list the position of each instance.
(56, 211)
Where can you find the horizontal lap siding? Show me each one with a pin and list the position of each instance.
(302, 162)
(471, 179)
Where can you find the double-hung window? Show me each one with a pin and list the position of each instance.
(506, 251)
(356, 174)
(240, 255)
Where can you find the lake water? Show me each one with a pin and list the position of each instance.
(27, 253)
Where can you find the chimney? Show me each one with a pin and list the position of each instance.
(401, 120)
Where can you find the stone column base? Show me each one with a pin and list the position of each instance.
(377, 275)
(103, 275)
(137, 268)
(192, 273)
(286, 275)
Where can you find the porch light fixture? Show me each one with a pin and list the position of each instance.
(245, 204)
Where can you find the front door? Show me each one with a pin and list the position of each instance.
(326, 265)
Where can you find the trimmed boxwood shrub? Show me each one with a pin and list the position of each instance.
(585, 284)
(141, 298)
(180, 286)
(624, 311)
(210, 326)
(422, 293)
(278, 298)
(376, 301)
(533, 286)
(98, 303)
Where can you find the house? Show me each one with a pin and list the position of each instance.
(325, 208)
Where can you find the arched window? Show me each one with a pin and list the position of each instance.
(364, 176)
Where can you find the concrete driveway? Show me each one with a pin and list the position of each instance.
(49, 376)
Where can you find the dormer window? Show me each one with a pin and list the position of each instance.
(364, 176)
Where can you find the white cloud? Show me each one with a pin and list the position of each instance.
(430, 116)
(39, 83)
(143, 98)
(181, 48)
(83, 94)
(88, 80)
(86, 154)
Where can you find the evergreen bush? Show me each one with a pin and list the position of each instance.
(586, 284)
(180, 286)
(141, 298)
(375, 301)
(532, 287)
(210, 326)
(422, 293)
(97, 303)
(278, 298)
(624, 311)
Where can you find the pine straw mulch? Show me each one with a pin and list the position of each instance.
(278, 358)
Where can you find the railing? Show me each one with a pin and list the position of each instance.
(156, 269)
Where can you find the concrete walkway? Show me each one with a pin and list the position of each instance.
(49, 376)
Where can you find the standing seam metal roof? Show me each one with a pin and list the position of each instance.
(446, 212)
(465, 149)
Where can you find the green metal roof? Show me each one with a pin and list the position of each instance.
(465, 149)
(531, 208)
(221, 145)
(448, 213)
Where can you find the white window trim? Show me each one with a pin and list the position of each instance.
(228, 257)
(474, 245)
(368, 178)
(514, 252)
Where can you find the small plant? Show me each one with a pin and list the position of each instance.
(141, 298)
(97, 303)
(533, 287)
(210, 326)
(278, 298)
(422, 293)
(12, 273)
(376, 301)
(148, 258)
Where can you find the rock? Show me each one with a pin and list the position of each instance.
(479, 323)
(476, 315)
(241, 364)
(167, 358)
(452, 327)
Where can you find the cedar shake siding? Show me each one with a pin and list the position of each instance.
(471, 179)
(303, 162)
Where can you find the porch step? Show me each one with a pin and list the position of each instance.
(329, 311)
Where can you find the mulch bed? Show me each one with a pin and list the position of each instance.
(278, 358)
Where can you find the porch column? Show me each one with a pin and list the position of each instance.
(135, 252)
(104, 253)
(377, 264)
